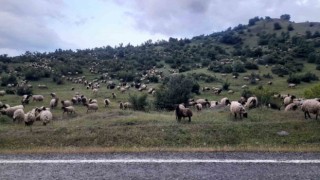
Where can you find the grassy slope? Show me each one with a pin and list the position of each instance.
(111, 129)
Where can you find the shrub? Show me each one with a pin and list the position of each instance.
(313, 92)
(294, 79)
(263, 94)
(280, 70)
(277, 26)
(238, 67)
(225, 85)
(290, 27)
(57, 79)
(176, 90)
(8, 79)
(246, 93)
(22, 90)
(10, 91)
(308, 77)
(251, 66)
(139, 103)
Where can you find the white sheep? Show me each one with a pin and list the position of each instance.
(66, 103)
(2, 93)
(69, 110)
(37, 98)
(18, 115)
(310, 106)
(225, 101)
(287, 100)
(106, 102)
(125, 105)
(291, 107)
(203, 102)
(30, 117)
(252, 102)
(54, 102)
(213, 104)
(199, 106)
(25, 98)
(238, 108)
(123, 90)
(114, 96)
(92, 107)
(44, 115)
(10, 111)
(92, 101)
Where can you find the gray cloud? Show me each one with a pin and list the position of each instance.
(24, 25)
(187, 18)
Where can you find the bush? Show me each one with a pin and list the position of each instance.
(246, 93)
(290, 27)
(277, 26)
(294, 79)
(10, 91)
(22, 90)
(8, 79)
(308, 77)
(178, 89)
(57, 79)
(313, 92)
(263, 94)
(280, 70)
(225, 85)
(139, 103)
(238, 67)
(251, 66)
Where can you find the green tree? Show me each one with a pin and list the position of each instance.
(277, 26)
(178, 89)
(139, 102)
(285, 17)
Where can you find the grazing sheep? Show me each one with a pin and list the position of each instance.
(2, 93)
(37, 98)
(92, 101)
(225, 101)
(123, 90)
(252, 102)
(244, 87)
(205, 89)
(44, 115)
(291, 107)
(217, 91)
(269, 82)
(242, 100)
(237, 108)
(150, 90)
(18, 115)
(203, 102)
(54, 102)
(69, 110)
(273, 106)
(10, 110)
(53, 95)
(95, 91)
(213, 104)
(181, 111)
(291, 85)
(114, 96)
(25, 98)
(30, 117)
(92, 107)
(289, 99)
(125, 105)
(230, 92)
(310, 106)
(83, 99)
(42, 86)
(66, 103)
(106, 102)
(199, 106)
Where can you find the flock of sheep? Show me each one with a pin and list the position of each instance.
(240, 108)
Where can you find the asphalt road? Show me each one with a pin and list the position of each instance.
(161, 166)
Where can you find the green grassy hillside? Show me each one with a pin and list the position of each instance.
(258, 51)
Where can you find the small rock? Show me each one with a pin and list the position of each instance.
(283, 133)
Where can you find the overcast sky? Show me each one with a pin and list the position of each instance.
(46, 25)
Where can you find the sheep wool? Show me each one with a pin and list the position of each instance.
(237, 108)
(18, 115)
(310, 106)
(252, 102)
